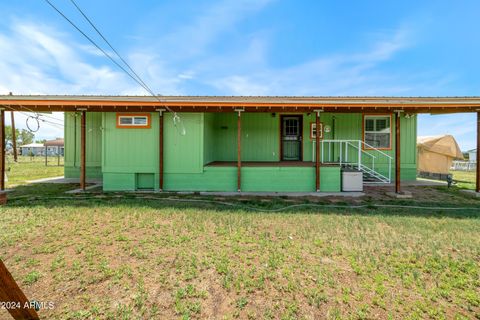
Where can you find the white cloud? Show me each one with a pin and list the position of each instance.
(37, 59)
(211, 22)
(337, 74)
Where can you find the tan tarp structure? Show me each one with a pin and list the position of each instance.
(435, 154)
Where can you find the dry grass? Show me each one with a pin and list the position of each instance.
(114, 256)
(127, 258)
(464, 179)
(31, 168)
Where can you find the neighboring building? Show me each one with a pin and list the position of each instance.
(55, 147)
(436, 153)
(472, 155)
(32, 149)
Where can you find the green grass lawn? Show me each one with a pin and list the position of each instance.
(142, 256)
(464, 179)
(31, 168)
(147, 256)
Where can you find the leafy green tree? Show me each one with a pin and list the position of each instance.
(8, 136)
(25, 137)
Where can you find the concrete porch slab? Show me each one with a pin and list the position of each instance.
(285, 194)
(472, 193)
(401, 195)
(93, 186)
(418, 182)
(63, 180)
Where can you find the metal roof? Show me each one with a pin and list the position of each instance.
(249, 99)
(105, 103)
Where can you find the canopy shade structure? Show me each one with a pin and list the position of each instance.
(436, 153)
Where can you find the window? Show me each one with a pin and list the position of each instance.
(313, 130)
(140, 121)
(377, 131)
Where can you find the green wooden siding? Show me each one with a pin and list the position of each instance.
(274, 179)
(93, 159)
(260, 137)
(120, 155)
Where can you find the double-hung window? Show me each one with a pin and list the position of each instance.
(377, 131)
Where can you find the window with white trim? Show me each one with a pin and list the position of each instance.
(140, 121)
(377, 131)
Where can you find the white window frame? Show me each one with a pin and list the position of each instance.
(383, 116)
(146, 118)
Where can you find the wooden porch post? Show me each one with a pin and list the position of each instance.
(82, 150)
(477, 187)
(397, 152)
(2, 149)
(239, 150)
(160, 150)
(317, 150)
(11, 292)
(14, 138)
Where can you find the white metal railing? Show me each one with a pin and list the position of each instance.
(463, 165)
(356, 154)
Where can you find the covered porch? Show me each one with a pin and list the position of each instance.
(252, 143)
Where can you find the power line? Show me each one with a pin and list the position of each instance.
(107, 42)
(95, 44)
(135, 75)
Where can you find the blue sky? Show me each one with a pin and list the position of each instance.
(251, 47)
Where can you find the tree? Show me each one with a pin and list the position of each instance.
(25, 137)
(8, 135)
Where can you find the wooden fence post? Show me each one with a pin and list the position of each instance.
(13, 296)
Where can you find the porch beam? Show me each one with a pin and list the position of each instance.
(113, 106)
(83, 150)
(477, 186)
(160, 149)
(239, 149)
(397, 151)
(2, 149)
(317, 150)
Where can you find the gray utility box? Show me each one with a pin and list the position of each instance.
(352, 180)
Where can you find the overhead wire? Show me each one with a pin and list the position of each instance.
(133, 75)
(108, 42)
(94, 43)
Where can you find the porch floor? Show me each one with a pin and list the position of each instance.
(267, 164)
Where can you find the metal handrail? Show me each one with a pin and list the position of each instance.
(357, 145)
(375, 149)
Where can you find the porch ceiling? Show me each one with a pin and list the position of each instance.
(45, 103)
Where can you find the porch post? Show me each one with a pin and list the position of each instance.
(477, 187)
(317, 150)
(82, 150)
(397, 152)
(14, 138)
(2, 149)
(160, 149)
(239, 150)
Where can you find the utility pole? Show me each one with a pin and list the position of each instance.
(14, 138)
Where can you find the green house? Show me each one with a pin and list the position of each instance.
(200, 149)
(240, 144)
